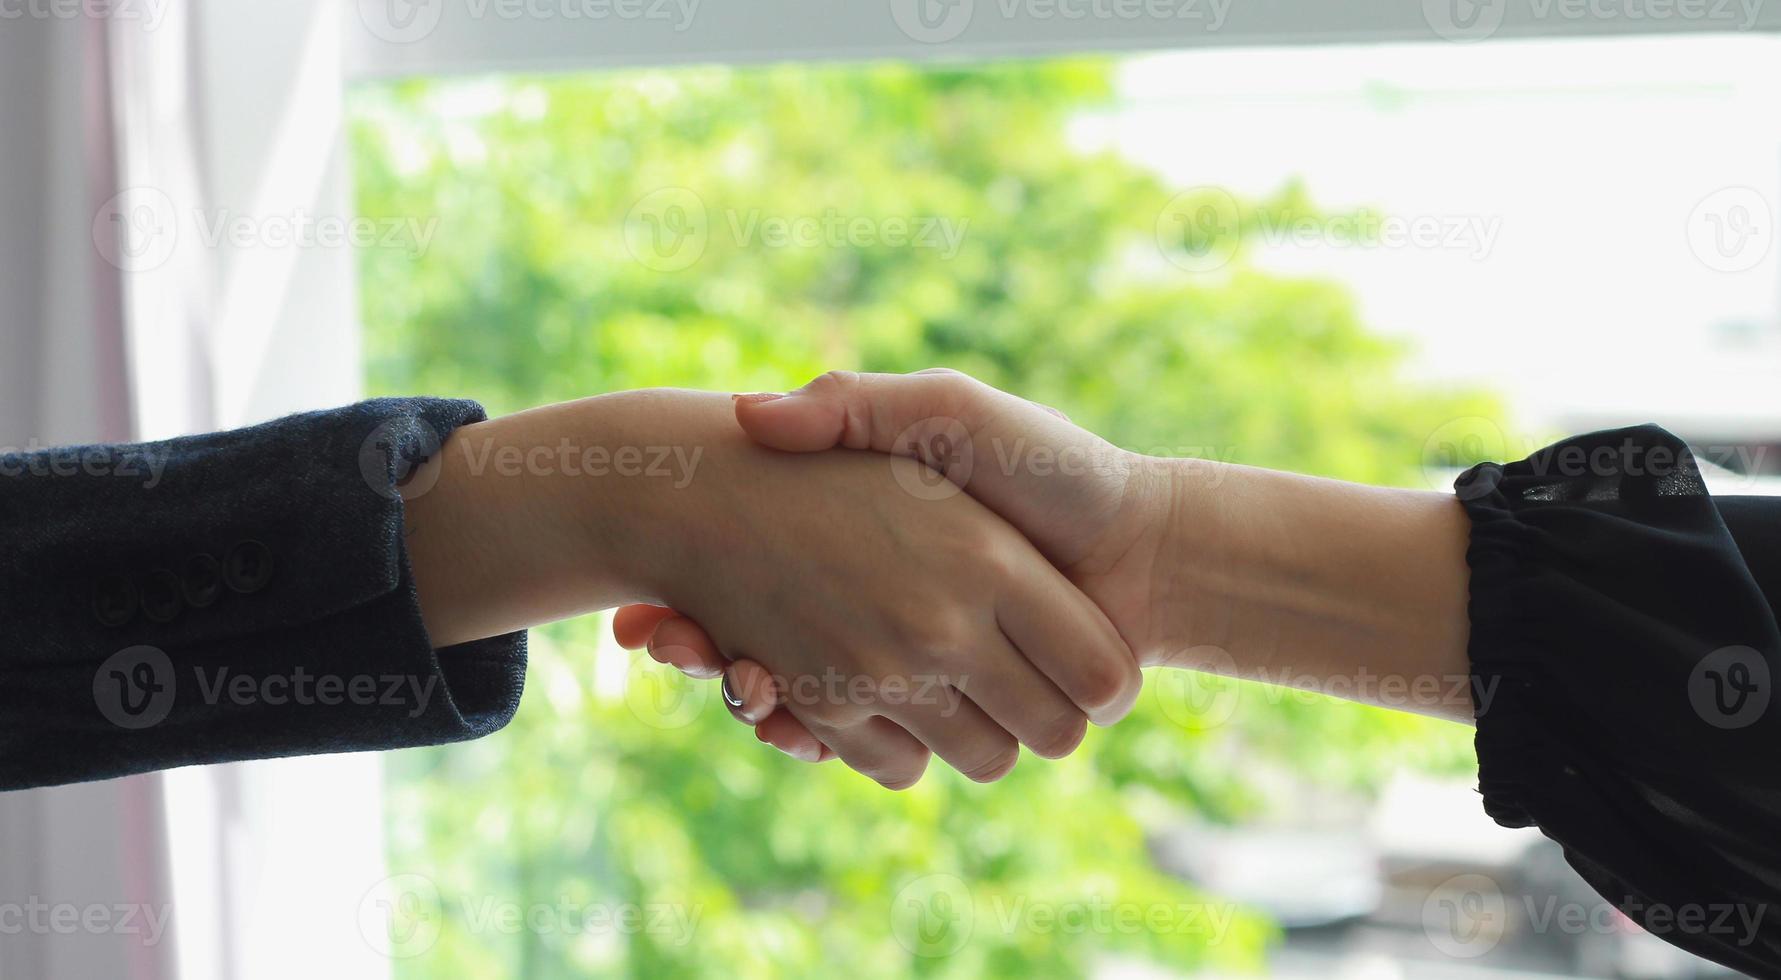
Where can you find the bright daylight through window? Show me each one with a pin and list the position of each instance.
(1378, 263)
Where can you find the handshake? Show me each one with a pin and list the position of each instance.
(995, 598)
(884, 567)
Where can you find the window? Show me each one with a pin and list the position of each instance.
(1372, 262)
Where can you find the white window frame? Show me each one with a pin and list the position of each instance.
(431, 37)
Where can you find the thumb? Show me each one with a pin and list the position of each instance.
(1022, 460)
(794, 423)
(855, 411)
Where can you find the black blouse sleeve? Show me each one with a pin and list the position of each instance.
(237, 595)
(1624, 655)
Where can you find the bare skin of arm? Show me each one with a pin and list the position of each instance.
(566, 509)
(1356, 591)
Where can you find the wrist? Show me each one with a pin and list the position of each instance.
(535, 517)
(1353, 590)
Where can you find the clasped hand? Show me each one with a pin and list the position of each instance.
(884, 566)
(981, 582)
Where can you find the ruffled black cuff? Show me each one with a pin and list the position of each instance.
(1623, 660)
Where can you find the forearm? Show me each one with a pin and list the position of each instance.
(1357, 591)
(545, 514)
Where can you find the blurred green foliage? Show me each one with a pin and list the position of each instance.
(605, 232)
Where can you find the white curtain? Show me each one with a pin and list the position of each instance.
(64, 379)
(128, 144)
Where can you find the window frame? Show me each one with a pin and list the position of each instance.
(434, 37)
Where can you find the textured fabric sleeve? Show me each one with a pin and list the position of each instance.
(1755, 523)
(237, 595)
(1624, 656)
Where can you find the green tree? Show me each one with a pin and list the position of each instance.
(745, 230)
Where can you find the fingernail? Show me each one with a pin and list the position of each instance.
(803, 753)
(730, 697)
(758, 397)
(681, 659)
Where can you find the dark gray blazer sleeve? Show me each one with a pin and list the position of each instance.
(238, 595)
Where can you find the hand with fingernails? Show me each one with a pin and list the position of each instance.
(1198, 564)
(1091, 509)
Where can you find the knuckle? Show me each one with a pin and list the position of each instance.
(1060, 737)
(1004, 555)
(834, 382)
(901, 771)
(940, 632)
(818, 707)
(952, 390)
(945, 373)
(992, 766)
(1106, 680)
(899, 782)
